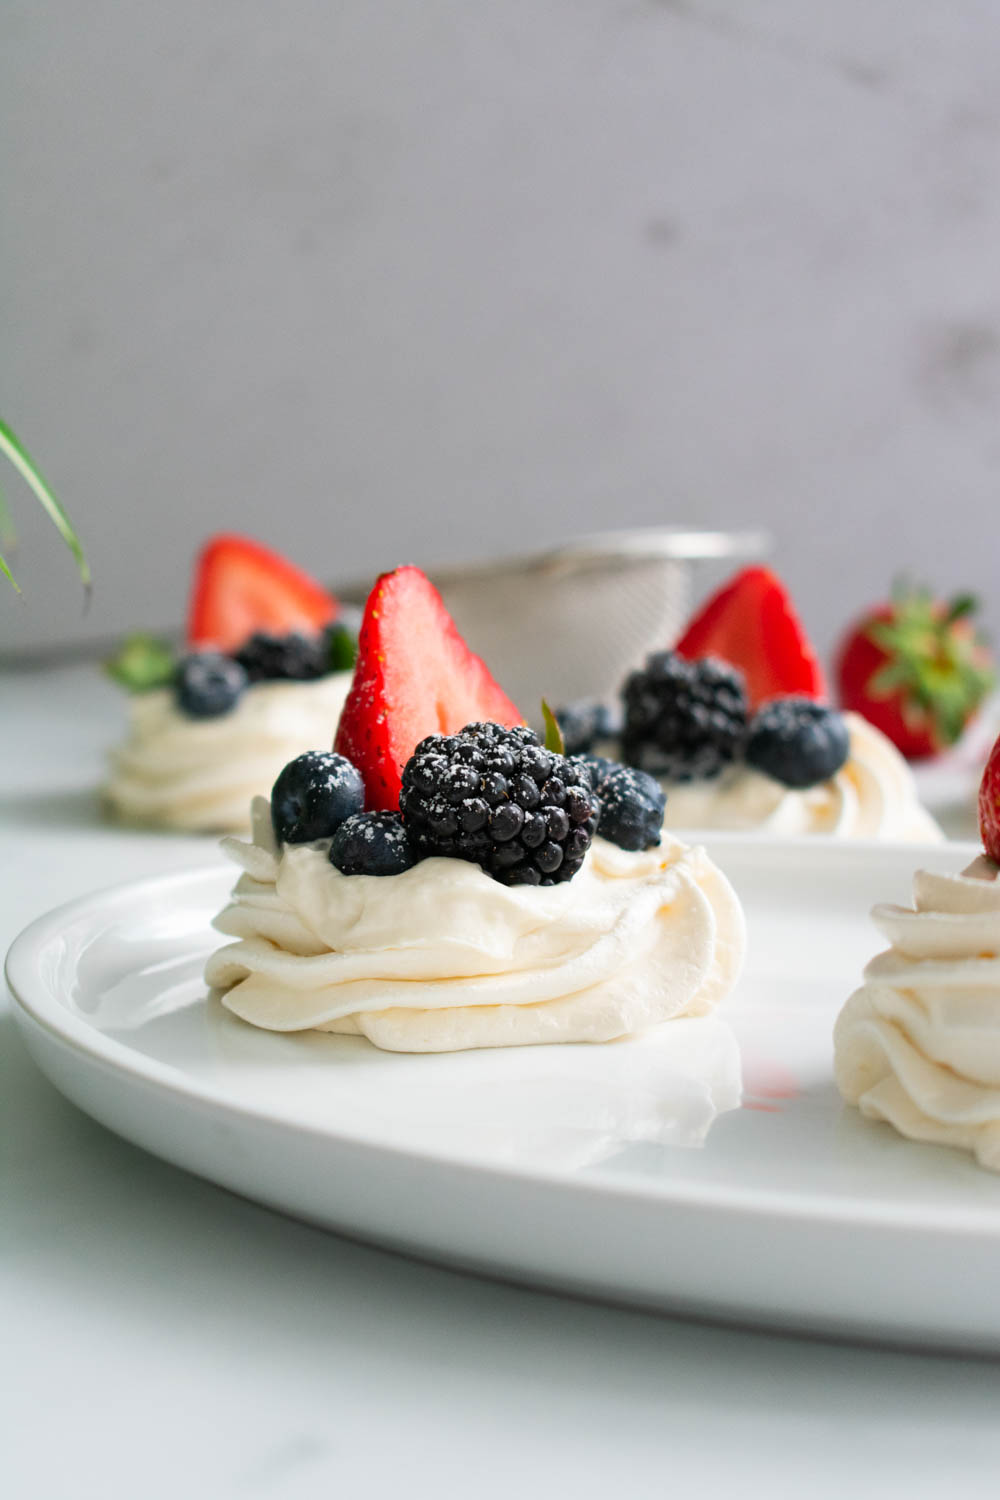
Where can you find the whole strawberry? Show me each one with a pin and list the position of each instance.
(916, 668)
(989, 805)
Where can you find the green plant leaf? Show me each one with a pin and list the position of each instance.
(8, 574)
(8, 536)
(553, 734)
(8, 540)
(15, 452)
(143, 663)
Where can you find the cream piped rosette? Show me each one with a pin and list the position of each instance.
(442, 957)
(918, 1045)
(872, 796)
(199, 775)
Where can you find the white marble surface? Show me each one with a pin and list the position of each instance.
(385, 281)
(163, 1339)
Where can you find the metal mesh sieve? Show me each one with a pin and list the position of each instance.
(570, 623)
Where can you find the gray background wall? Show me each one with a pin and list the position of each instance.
(429, 279)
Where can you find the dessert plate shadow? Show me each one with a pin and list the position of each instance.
(708, 1169)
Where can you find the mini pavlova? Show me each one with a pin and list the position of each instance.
(468, 886)
(263, 675)
(734, 724)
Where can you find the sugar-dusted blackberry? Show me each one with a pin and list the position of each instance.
(313, 795)
(292, 658)
(632, 802)
(372, 843)
(208, 684)
(797, 741)
(685, 720)
(497, 797)
(585, 723)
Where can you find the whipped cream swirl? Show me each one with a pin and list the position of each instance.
(918, 1044)
(443, 958)
(872, 796)
(200, 774)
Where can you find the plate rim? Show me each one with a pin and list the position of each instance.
(72, 1031)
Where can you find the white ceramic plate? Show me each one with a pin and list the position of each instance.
(634, 1171)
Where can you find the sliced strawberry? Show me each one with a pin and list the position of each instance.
(752, 624)
(989, 805)
(240, 587)
(414, 676)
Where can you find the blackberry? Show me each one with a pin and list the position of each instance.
(373, 843)
(685, 720)
(291, 658)
(632, 803)
(208, 684)
(313, 795)
(584, 723)
(496, 797)
(797, 741)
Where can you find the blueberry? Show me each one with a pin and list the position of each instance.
(632, 804)
(208, 684)
(313, 796)
(373, 843)
(797, 741)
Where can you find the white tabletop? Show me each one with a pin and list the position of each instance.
(162, 1338)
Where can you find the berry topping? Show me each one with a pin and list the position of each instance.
(313, 795)
(374, 843)
(685, 720)
(751, 623)
(208, 684)
(917, 669)
(797, 741)
(295, 657)
(632, 802)
(584, 723)
(989, 805)
(414, 676)
(241, 587)
(497, 797)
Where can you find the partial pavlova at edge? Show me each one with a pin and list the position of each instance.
(918, 1045)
